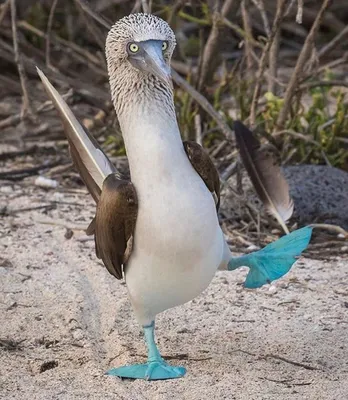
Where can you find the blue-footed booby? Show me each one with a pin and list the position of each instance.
(159, 231)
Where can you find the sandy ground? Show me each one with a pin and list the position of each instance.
(64, 321)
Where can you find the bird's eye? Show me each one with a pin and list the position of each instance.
(164, 46)
(133, 47)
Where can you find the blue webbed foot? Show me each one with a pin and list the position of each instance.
(274, 260)
(153, 370)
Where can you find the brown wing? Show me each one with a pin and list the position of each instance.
(205, 168)
(114, 223)
(116, 199)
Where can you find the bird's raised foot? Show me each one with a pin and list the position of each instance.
(153, 370)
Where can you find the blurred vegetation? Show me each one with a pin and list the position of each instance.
(220, 52)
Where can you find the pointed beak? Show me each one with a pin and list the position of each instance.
(150, 59)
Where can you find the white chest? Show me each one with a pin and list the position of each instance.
(178, 244)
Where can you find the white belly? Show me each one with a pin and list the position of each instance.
(178, 245)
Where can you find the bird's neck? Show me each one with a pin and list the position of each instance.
(133, 92)
(150, 131)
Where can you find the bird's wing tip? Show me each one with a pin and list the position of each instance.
(40, 73)
(47, 84)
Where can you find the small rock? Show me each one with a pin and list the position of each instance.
(252, 247)
(276, 231)
(58, 196)
(272, 289)
(46, 183)
(78, 334)
(68, 233)
(6, 189)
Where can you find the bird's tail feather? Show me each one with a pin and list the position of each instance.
(274, 260)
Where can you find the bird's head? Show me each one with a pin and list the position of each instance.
(142, 44)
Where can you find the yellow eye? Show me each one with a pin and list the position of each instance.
(134, 48)
(164, 46)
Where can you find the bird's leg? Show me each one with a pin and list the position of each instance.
(155, 368)
(153, 352)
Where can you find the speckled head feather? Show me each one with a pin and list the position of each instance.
(138, 28)
(126, 80)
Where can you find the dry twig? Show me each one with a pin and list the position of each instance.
(334, 42)
(241, 33)
(26, 107)
(249, 37)
(263, 60)
(3, 10)
(210, 58)
(204, 103)
(101, 19)
(296, 363)
(333, 82)
(261, 7)
(15, 175)
(16, 118)
(303, 57)
(146, 7)
(90, 24)
(273, 60)
(332, 228)
(198, 129)
(89, 57)
(299, 11)
(48, 33)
